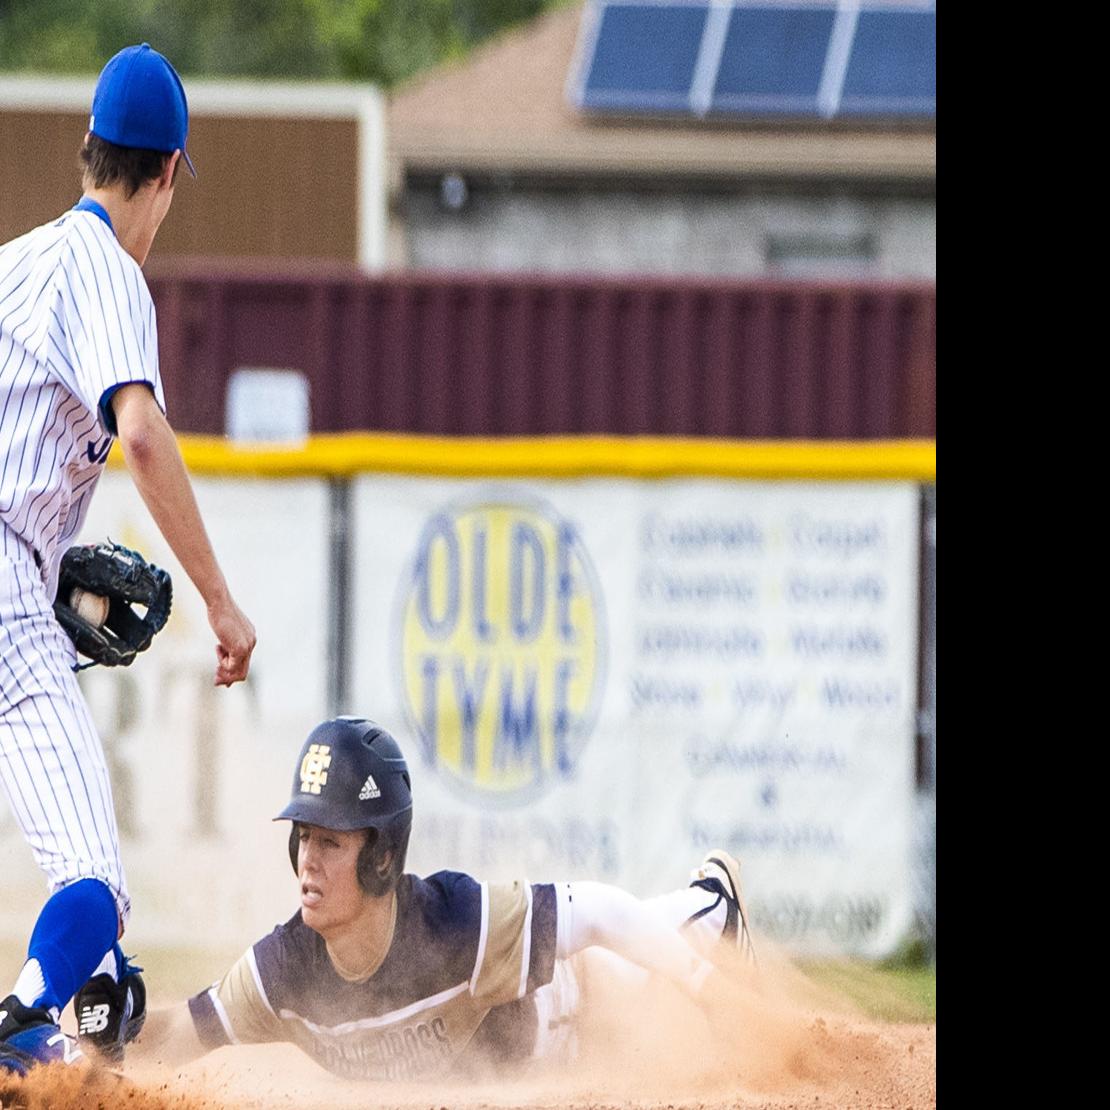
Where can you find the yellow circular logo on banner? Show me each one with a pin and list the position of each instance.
(502, 657)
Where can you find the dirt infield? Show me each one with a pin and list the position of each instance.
(779, 1043)
(844, 1064)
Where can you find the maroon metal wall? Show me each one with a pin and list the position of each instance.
(497, 355)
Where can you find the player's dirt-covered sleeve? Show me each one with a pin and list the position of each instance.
(110, 333)
(516, 944)
(236, 1010)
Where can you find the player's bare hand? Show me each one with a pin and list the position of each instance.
(235, 640)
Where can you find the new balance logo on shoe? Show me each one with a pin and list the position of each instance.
(369, 790)
(94, 1019)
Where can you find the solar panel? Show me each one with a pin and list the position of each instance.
(892, 67)
(758, 58)
(644, 56)
(773, 59)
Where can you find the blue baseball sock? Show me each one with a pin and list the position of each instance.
(77, 926)
(113, 963)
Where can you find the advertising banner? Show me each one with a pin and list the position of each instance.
(607, 678)
(198, 772)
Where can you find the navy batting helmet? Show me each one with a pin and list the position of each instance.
(351, 775)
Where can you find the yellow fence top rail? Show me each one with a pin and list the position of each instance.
(347, 454)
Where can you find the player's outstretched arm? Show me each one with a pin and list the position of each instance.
(152, 455)
(169, 1037)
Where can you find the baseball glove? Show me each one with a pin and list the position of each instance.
(125, 578)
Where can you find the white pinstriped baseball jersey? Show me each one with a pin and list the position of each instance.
(76, 323)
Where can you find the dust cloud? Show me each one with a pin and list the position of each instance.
(764, 1038)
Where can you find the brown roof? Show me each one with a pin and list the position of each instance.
(505, 108)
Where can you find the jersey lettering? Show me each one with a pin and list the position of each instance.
(97, 451)
(406, 1052)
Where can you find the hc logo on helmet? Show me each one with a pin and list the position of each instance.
(314, 768)
(502, 651)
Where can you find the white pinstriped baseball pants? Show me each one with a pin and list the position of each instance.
(51, 759)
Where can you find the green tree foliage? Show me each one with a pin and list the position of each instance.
(383, 41)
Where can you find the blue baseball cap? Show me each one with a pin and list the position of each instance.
(140, 102)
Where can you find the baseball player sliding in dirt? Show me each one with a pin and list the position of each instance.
(383, 975)
(79, 368)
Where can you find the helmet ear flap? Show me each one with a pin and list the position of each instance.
(369, 878)
(401, 849)
(374, 876)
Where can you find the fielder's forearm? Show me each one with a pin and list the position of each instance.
(158, 471)
(599, 914)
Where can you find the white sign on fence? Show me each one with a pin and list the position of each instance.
(607, 678)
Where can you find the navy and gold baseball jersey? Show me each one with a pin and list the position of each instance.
(460, 950)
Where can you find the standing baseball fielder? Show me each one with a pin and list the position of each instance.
(79, 368)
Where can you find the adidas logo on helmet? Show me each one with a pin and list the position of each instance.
(369, 790)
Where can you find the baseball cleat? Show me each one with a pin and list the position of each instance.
(30, 1036)
(110, 1014)
(720, 873)
(12, 1060)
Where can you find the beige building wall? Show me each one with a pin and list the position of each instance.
(285, 172)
